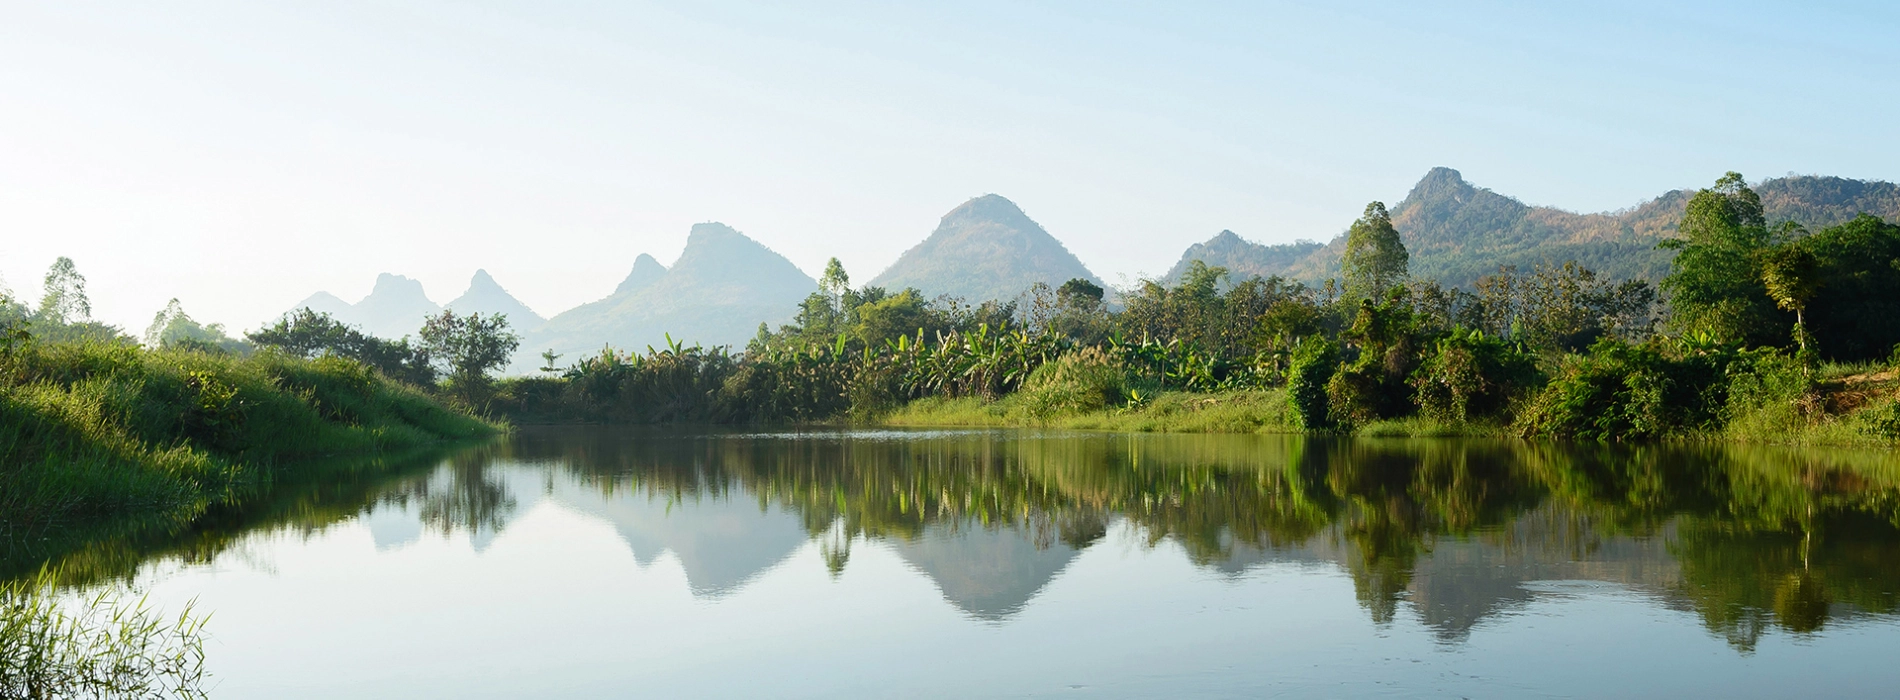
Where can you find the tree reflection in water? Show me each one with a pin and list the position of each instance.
(1747, 538)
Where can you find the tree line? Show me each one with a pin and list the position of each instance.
(1748, 313)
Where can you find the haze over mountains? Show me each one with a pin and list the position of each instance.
(725, 284)
(397, 306)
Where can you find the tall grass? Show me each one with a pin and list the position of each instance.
(99, 645)
(95, 429)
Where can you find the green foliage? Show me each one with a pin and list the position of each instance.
(173, 328)
(306, 333)
(1205, 312)
(468, 348)
(91, 430)
(1620, 391)
(101, 645)
(1375, 259)
(1853, 312)
(1560, 308)
(1467, 375)
(1078, 382)
(1715, 282)
(1314, 361)
(1386, 339)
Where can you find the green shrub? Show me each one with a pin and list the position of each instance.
(1314, 360)
(112, 429)
(1621, 391)
(1468, 375)
(1770, 395)
(1078, 382)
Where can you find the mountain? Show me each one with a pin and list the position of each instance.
(1243, 258)
(1457, 232)
(645, 272)
(982, 250)
(395, 308)
(989, 573)
(718, 292)
(324, 303)
(486, 297)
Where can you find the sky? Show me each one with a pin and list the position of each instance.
(241, 156)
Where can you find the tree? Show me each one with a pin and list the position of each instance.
(1715, 282)
(1375, 257)
(64, 300)
(1854, 313)
(173, 328)
(1079, 293)
(1791, 276)
(467, 347)
(834, 282)
(306, 333)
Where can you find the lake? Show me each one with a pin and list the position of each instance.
(617, 562)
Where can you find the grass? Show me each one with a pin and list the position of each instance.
(1834, 404)
(1778, 402)
(1168, 412)
(103, 645)
(97, 430)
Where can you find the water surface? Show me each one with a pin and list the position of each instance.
(606, 562)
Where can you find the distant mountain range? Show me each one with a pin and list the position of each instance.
(1457, 232)
(397, 306)
(725, 284)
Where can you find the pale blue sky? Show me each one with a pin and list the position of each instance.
(243, 155)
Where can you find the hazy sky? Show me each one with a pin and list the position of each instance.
(241, 156)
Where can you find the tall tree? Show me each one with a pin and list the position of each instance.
(1375, 258)
(64, 300)
(1715, 283)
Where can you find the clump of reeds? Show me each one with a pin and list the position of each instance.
(99, 645)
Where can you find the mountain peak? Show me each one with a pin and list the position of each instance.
(984, 249)
(646, 271)
(388, 285)
(993, 207)
(1242, 258)
(486, 296)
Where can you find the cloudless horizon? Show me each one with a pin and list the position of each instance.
(242, 156)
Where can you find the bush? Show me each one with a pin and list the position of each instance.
(1468, 375)
(1622, 391)
(1078, 382)
(113, 429)
(1314, 360)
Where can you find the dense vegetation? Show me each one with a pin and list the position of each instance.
(94, 426)
(1775, 334)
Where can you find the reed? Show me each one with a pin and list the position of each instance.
(105, 644)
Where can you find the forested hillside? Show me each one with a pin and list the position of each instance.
(1458, 232)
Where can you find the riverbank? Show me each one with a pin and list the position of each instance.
(112, 431)
(1857, 410)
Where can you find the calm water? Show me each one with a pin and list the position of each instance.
(634, 563)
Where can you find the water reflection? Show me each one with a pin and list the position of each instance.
(1450, 532)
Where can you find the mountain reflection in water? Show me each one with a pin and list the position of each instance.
(1453, 532)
